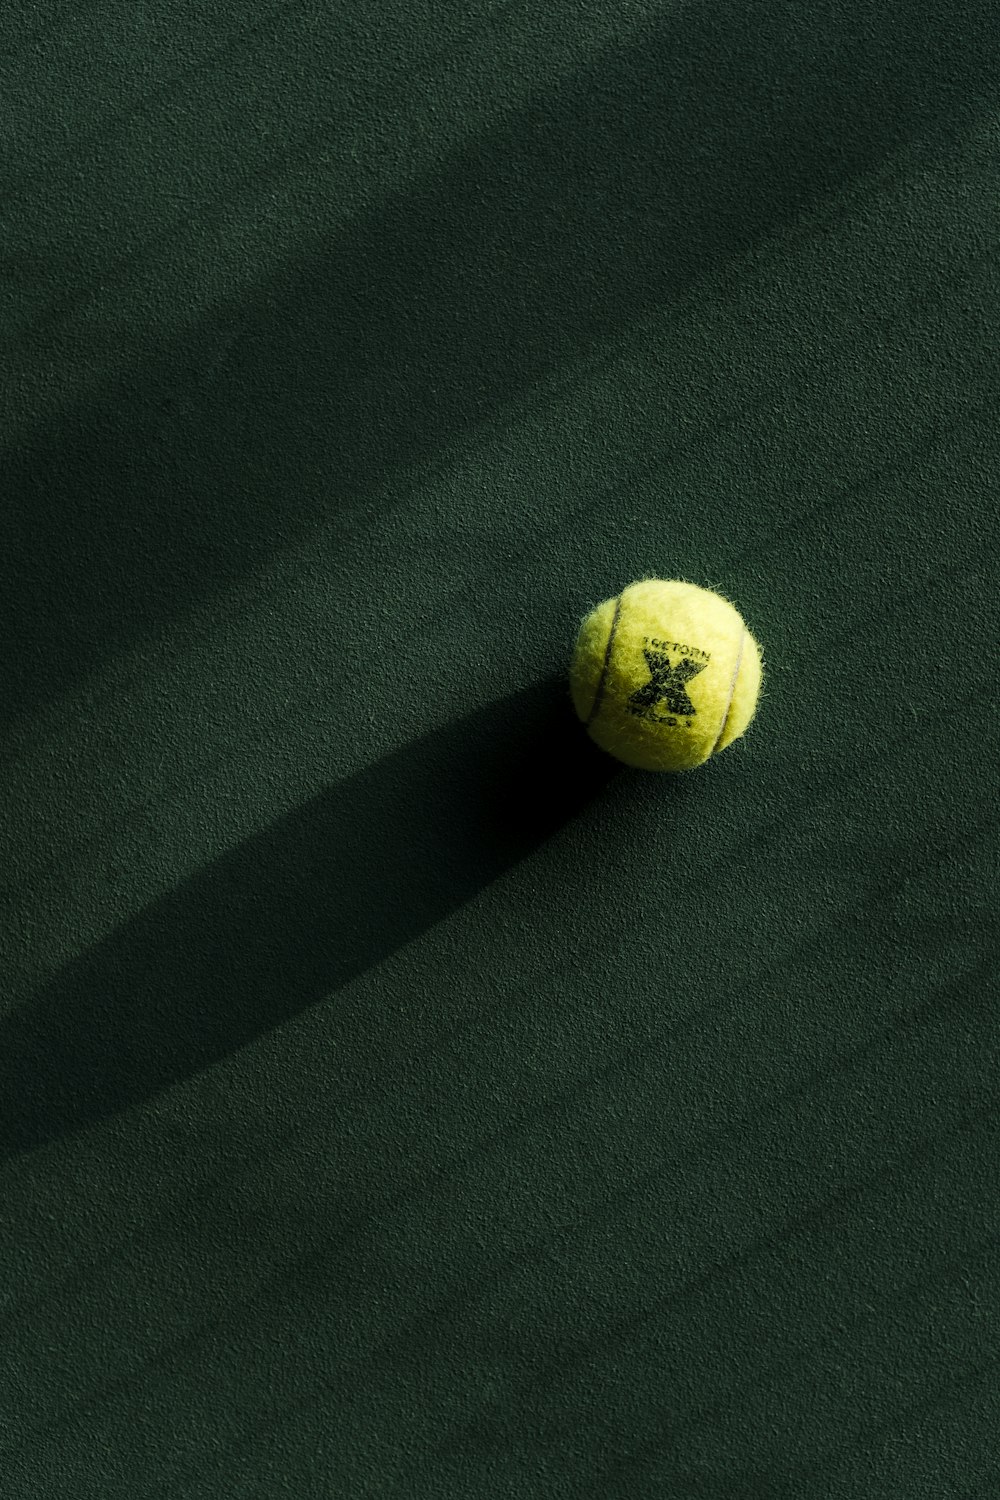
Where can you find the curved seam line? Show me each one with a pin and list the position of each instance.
(599, 694)
(732, 693)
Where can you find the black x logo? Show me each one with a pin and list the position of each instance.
(666, 686)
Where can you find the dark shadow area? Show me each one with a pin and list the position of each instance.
(305, 398)
(295, 912)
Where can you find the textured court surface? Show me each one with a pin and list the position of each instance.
(395, 1100)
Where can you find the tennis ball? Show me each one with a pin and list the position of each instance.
(665, 675)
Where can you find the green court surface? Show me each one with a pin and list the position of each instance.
(400, 1100)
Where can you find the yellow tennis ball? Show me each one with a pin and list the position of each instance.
(665, 675)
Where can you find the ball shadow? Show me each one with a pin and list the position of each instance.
(294, 912)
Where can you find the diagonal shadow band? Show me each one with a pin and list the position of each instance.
(295, 912)
(304, 398)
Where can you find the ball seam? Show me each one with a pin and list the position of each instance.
(599, 693)
(732, 693)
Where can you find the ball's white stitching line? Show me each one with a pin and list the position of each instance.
(598, 695)
(732, 692)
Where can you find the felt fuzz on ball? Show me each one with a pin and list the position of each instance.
(665, 675)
